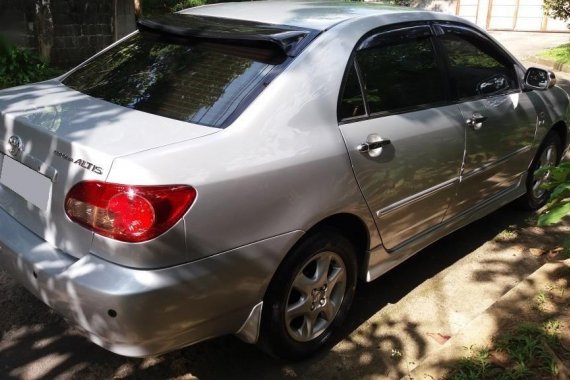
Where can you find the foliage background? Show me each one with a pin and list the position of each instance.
(559, 186)
(559, 9)
(19, 66)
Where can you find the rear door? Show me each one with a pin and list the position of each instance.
(499, 119)
(405, 142)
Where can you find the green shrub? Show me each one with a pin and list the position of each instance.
(559, 9)
(157, 7)
(559, 54)
(559, 204)
(180, 5)
(19, 66)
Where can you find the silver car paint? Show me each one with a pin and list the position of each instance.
(277, 171)
(319, 15)
(155, 311)
(410, 185)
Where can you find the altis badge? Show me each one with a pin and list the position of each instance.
(84, 164)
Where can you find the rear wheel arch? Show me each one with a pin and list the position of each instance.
(352, 228)
(344, 236)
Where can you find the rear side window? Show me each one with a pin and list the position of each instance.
(476, 67)
(191, 83)
(352, 103)
(401, 73)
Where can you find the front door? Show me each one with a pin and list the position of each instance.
(499, 119)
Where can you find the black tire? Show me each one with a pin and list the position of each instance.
(534, 200)
(287, 337)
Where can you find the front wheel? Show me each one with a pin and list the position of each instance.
(549, 154)
(309, 296)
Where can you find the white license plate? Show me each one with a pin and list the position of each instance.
(29, 184)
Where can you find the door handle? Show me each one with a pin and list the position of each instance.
(368, 146)
(476, 121)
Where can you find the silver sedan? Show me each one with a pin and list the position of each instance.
(235, 168)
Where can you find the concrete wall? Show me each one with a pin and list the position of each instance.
(17, 22)
(517, 15)
(81, 29)
(65, 32)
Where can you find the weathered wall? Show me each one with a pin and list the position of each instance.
(81, 29)
(17, 22)
(65, 32)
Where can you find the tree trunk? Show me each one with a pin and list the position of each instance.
(138, 8)
(125, 18)
(44, 27)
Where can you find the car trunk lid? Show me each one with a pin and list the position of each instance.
(52, 137)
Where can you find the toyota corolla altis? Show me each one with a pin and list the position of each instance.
(235, 168)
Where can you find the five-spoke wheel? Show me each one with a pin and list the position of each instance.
(309, 296)
(315, 296)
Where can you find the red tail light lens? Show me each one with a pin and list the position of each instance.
(127, 213)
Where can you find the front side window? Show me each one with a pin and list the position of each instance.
(401, 73)
(476, 67)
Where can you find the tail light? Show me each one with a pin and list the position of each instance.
(127, 213)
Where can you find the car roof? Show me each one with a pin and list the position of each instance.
(319, 15)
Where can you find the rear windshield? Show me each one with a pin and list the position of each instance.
(192, 83)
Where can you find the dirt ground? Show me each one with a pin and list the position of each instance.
(396, 321)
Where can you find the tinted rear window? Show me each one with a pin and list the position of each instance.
(192, 83)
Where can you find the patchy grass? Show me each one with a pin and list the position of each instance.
(526, 352)
(508, 234)
(540, 300)
(560, 54)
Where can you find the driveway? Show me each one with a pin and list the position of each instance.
(396, 321)
(526, 44)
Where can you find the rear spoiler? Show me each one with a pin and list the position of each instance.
(186, 28)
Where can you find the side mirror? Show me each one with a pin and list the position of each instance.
(539, 79)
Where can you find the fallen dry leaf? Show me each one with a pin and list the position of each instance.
(555, 254)
(500, 358)
(441, 339)
(536, 252)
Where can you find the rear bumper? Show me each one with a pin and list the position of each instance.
(136, 312)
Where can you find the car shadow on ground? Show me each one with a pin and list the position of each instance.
(37, 343)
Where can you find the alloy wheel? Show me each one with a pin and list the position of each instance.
(315, 296)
